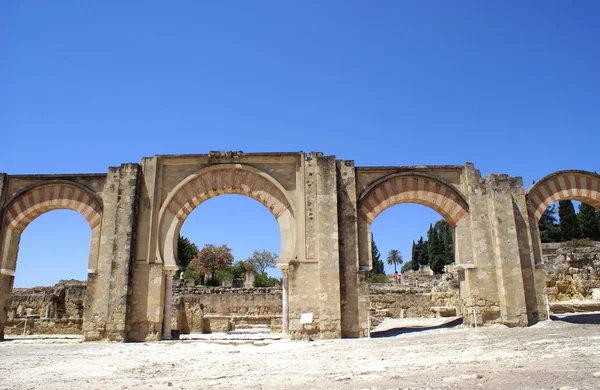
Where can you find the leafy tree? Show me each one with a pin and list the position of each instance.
(409, 265)
(569, 224)
(264, 280)
(395, 257)
(236, 271)
(378, 266)
(211, 259)
(588, 221)
(548, 226)
(186, 251)
(261, 260)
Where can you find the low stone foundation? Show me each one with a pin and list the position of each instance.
(425, 297)
(48, 310)
(199, 309)
(44, 326)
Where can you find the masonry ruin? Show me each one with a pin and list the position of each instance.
(324, 208)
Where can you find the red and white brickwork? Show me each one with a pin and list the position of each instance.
(581, 186)
(227, 181)
(39, 200)
(413, 189)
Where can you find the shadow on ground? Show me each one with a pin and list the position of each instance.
(583, 318)
(398, 331)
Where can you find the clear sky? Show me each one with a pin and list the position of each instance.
(512, 86)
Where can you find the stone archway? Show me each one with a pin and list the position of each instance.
(30, 203)
(412, 188)
(214, 181)
(406, 187)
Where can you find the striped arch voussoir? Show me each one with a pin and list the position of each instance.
(30, 204)
(227, 180)
(419, 189)
(575, 185)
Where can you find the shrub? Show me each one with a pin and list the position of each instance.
(265, 281)
(378, 278)
(578, 243)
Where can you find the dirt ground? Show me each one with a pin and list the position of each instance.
(559, 354)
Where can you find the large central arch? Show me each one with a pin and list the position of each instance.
(219, 180)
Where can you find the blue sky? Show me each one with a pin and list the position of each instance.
(512, 86)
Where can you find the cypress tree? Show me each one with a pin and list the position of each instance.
(446, 236)
(413, 256)
(422, 255)
(548, 227)
(588, 221)
(378, 267)
(569, 224)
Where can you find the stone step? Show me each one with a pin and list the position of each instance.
(444, 311)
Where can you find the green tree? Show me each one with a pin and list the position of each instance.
(409, 265)
(261, 260)
(548, 226)
(211, 259)
(568, 222)
(445, 234)
(378, 267)
(588, 221)
(186, 251)
(435, 250)
(421, 258)
(395, 257)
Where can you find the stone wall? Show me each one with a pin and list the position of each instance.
(438, 297)
(199, 309)
(49, 310)
(572, 273)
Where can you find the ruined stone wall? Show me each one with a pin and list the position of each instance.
(572, 273)
(48, 310)
(63, 300)
(438, 297)
(199, 309)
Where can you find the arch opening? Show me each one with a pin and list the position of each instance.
(64, 302)
(222, 179)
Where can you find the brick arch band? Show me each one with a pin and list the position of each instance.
(220, 180)
(31, 202)
(412, 188)
(578, 185)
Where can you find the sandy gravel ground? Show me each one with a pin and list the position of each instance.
(559, 354)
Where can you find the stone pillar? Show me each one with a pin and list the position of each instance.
(328, 249)
(285, 311)
(250, 277)
(352, 315)
(168, 314)
(6, 285)
(105, 316)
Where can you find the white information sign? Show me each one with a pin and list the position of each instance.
(306, 318)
